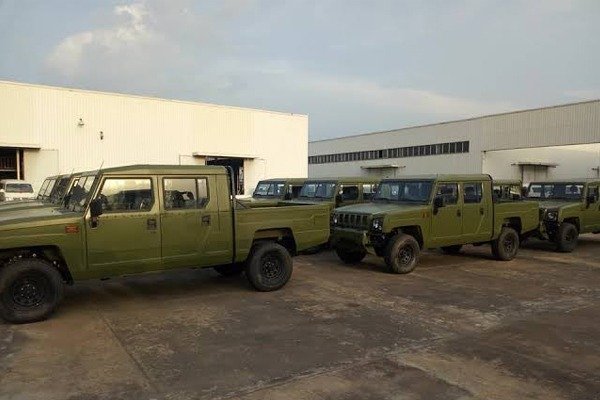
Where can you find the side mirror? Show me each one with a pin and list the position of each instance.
(591, 199)
(95, 208)
(338, 199)
(439, 201)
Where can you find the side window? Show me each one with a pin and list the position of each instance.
(126, 194)
(449, 191)
(369, 190)
(349, 192)
(593, 190)
(472, 193)
(185, 193)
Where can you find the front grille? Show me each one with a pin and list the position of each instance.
(356, 221)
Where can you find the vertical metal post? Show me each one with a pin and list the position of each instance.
(18, 158)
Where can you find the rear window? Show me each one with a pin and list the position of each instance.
(19, 188)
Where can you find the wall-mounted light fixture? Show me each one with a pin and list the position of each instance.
(80, 123)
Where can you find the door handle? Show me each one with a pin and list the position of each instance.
(206, 220)
(458, 213)
(151, 223)
(481, 211)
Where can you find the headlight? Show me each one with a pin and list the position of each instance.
(552, 215)
(334, 220)
(377, 224)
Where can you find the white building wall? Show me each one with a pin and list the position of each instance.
(121, 129)
(577, 123)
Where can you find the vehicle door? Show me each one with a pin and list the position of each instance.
(591, 212)
(476, 212)
(190, 222)
(446, 222)
(349, 194)
(126, 237)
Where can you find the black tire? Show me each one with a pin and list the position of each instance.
(455, 249)
(30, 290)
(402, 254)
(229, 269)
(566, 237)
(506, 246)
(350, 256)
(269, 266)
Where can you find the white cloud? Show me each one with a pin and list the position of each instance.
(68, 57)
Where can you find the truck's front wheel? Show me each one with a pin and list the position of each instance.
(350, 256)
(402, 254)
(505, 248)
(566, 237)
(30, 290)
(269, 266)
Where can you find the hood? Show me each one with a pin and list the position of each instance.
(10, 218)
(380, 208)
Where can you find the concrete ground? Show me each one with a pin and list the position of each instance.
(459, 327)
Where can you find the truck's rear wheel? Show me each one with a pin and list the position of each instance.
(30, 290)
(229, 269)
(269, 266)
(566, 237)
(506, 246)
(350, 256)
(402, 254)
(455, 249)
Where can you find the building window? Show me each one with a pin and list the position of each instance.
(397, 152)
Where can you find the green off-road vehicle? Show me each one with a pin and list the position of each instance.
(143, 218)
(420, 212)
(51, 194)
(567, 209)
(272, 191)
(338, 192)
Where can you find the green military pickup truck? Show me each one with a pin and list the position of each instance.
(428, 211)
(338, 192)
(143, 218)
(51, 193)
(272, 191)
(567, 209)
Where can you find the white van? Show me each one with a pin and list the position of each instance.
(16, 190)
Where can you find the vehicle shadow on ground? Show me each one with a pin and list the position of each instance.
(584, 243)
(154, 287)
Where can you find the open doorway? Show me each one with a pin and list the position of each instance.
(236, 164)
(11, 163)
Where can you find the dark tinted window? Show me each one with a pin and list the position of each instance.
(126, 194)
(472, 193)
(449, 191)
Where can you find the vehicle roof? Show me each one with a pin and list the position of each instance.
(163, 169)
(574, 180)
(347, 179)
(14, 181)
(508, 181)
(287, 180)
(442, 177)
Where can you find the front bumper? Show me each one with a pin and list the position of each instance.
(352, 238)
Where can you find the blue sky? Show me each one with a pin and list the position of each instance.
(352, 66)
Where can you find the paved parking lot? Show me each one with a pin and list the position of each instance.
(459, 327)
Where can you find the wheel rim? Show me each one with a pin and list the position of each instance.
(405, 255)
(509, 244)
(570, 236)
(29, 290)
(271, 267)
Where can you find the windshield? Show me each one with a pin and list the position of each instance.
(405, 191)
(43, 189)
(318, 190)
(269, 189)
(58, 192)
(78, 195)
(556, 191)
(19, 188)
